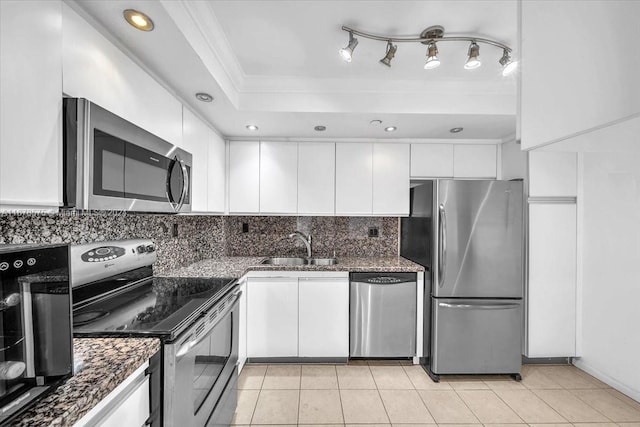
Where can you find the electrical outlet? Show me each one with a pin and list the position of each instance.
(245, 227)
(373, 231)
(174, 232)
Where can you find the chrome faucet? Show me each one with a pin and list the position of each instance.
(306, 240)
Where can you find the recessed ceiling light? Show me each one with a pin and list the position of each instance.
(138, 19)
(252, 127)
(390, 128)
(204, 97)
(320, 128)
(455, 130)
(375, 122)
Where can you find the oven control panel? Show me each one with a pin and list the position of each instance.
(99, 260)
(103, 253)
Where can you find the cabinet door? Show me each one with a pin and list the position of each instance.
(431, 160)
(324, 317)
(272, 317)
(551, 328)
(391, 179)
(354, 178)
(552, 174)
(474, 161)
(316, 178)
(195, 139)
(30, 103)
(244, 177)
(217, 173)
(278, 177)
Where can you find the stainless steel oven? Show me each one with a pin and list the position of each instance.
(36, 349)
(112, 164)
(200, 373)
(196, 319)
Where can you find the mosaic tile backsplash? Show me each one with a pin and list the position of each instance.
(202, 237)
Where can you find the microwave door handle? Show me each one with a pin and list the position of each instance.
(185, 184)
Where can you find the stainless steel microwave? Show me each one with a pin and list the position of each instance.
(112, 164)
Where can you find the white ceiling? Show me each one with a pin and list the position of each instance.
(275, 64)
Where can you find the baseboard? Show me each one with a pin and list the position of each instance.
(275, 360)
(634, 394)
(546, 360)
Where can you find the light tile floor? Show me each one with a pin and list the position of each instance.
(394, 393)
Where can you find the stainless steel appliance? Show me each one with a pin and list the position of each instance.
(195, 318)
(477, 275)
(383, 315)
(112, 164)
(36, 349)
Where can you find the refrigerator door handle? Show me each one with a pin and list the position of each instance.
(506, 306)
(442, 245)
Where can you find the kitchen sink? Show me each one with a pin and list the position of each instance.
(299, 261)
(285, 261)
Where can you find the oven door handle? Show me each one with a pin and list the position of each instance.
(194, 339)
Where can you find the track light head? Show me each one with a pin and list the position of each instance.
(347, 52)
(508, 65)
(432, 57)
(391, 52)
(474, 57)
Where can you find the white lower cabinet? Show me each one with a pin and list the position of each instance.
(126, 406)
(272, 317)
(298, 315)
(323, 321)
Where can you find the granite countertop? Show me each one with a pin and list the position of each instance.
(238, 266)
(100, 365)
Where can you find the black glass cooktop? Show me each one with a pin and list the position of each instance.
(152, 306)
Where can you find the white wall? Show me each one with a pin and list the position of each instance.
(579, 67)
(611, 254)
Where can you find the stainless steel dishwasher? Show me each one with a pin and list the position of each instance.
(382, 310)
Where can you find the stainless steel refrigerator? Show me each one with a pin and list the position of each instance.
(475, 256)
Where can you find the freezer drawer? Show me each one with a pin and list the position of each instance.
(476, 336)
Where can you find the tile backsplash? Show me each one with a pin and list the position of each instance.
(342, 236)
(200, 237)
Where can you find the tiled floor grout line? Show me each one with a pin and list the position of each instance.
(516, 412)
(344, 419)
(465, 404)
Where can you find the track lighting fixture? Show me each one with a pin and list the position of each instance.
(429, 37)
(347, 51)
(432, 57)
(508, 65)
(391, 52)
(474, 57)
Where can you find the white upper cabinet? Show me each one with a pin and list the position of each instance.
(552, 174)
(244, 177)
(316, 178)
(354, 178)
(391, 179)
(217, 173)
(431, 160)
(278, 177)
(474, 161)
(30, 104)
(195, 139)
(96, 69)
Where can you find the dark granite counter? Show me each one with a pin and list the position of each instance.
(100, 365)
(238, 266)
